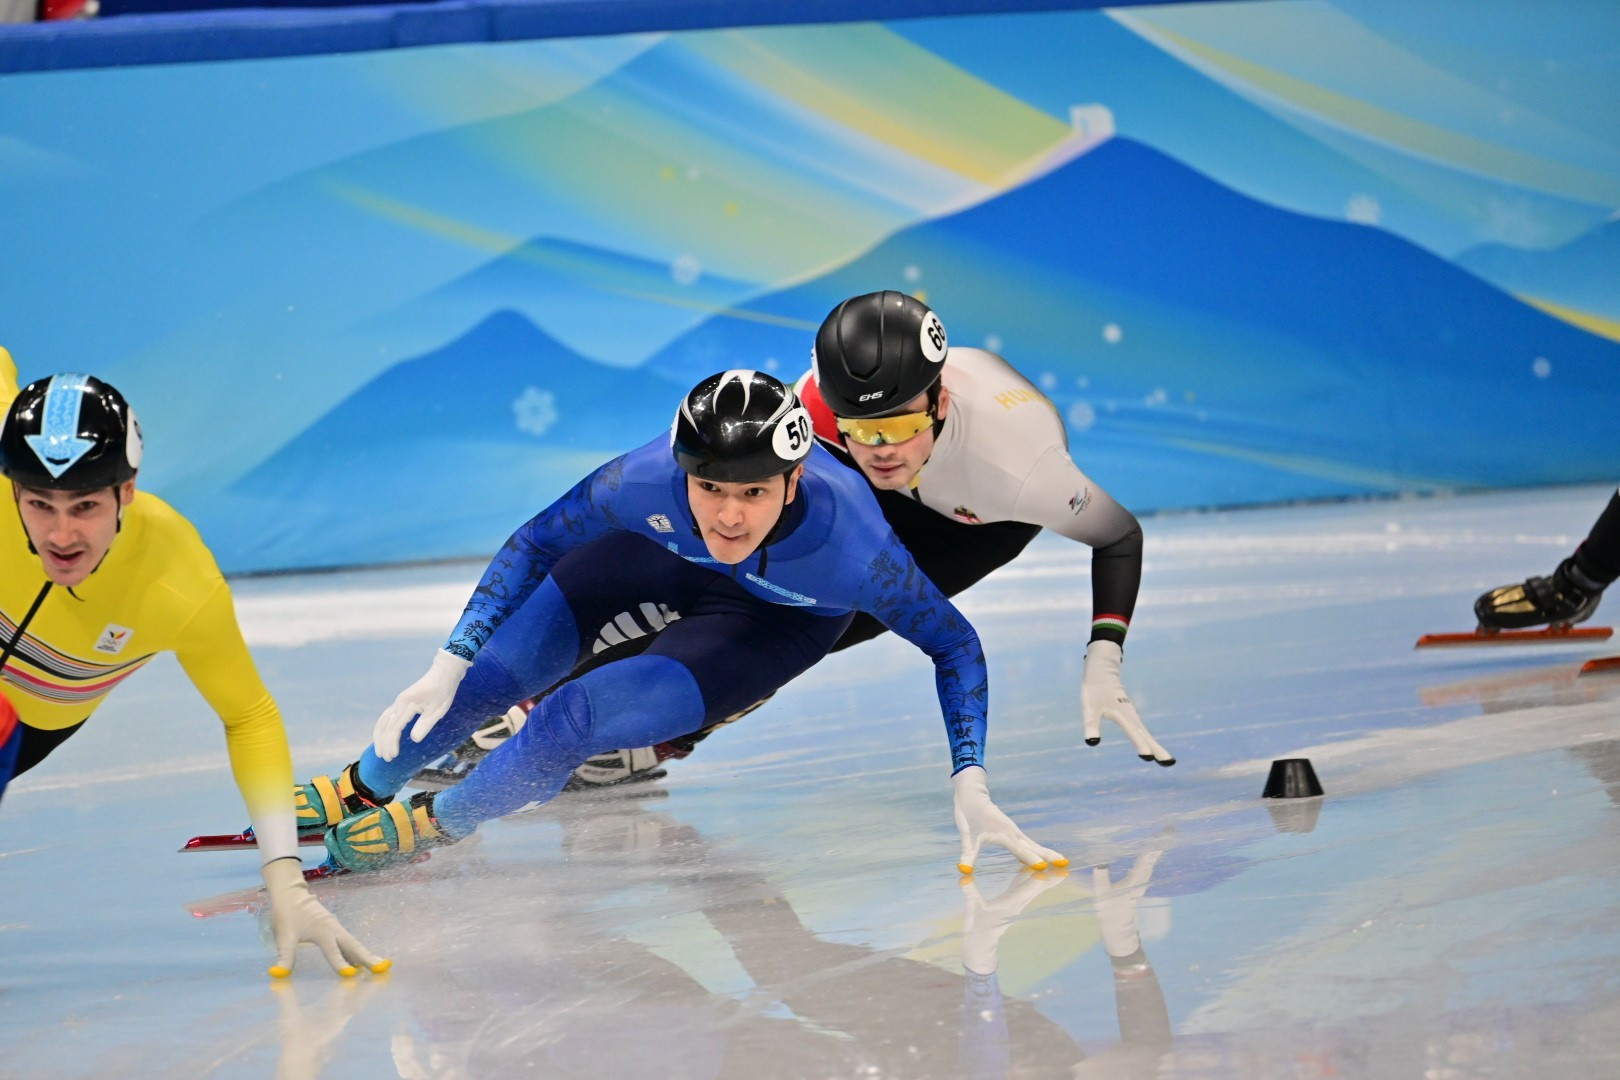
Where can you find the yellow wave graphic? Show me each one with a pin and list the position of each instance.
(1600, 325)
(1304, 465)
(578, 267)
(871, 80)
(1416, 137)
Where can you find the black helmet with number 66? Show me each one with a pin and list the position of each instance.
(70, 432)
(738, 427)
(876, 352)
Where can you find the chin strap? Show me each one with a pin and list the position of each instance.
(16, 503)
(770, 537)
(11, 646)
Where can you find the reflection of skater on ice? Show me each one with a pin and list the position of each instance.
(812, 1007)
(309, 1033)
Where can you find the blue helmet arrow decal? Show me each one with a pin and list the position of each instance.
(58, 444)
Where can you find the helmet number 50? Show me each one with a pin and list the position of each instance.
(791, 439)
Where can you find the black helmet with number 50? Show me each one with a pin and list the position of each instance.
(738, 427)
(70, 432)
(876, 352)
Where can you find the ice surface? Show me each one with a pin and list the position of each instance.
(785, 904)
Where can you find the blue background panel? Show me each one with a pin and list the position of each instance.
(380, 305)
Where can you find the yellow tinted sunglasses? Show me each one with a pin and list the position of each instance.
(886, 430)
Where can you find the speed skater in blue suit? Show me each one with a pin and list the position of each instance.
(746, 547)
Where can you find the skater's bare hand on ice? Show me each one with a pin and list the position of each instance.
(1103, 697)
(297, 917)
(980, 822)
(426, 699)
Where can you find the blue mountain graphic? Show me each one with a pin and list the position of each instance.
(580, 292)
(1583, 274)
(474, 438)
(1256, 354)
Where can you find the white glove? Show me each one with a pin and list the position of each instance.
(1102, 696)
(296, 917)
(980, 822)
(426, 699)
(983, 921)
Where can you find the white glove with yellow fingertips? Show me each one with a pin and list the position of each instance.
(1103, 696)
(296, 917)
(980, 821)
(425, 700)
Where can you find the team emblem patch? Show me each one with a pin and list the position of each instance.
(113, 639)
(1081, 500)
(967, 515)
(660, 523)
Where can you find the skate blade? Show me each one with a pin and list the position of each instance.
(1603, 664)
(239, 842)
(575, 786)
(436, 779)
(253, 900)
(1565, 635)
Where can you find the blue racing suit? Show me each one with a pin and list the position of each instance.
(625, 535)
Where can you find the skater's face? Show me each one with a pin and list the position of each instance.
(891, 466)
(735, 518)
(71, 530)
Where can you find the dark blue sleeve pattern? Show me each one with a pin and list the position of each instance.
(901, 597)
(583, 514)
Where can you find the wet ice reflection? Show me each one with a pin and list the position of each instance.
(785, 903)
(622, 978)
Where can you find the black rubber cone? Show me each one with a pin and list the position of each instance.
(1292, 778)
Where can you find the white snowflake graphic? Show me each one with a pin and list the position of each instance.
(1082, 416)
(536, 411)
(685, 270)
(1363, 210)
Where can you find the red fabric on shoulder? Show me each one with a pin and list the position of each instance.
(821, 417)
(8, 718)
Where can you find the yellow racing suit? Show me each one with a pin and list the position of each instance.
(158, 589)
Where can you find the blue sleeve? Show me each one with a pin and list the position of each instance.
(585, 513)
(901, 597)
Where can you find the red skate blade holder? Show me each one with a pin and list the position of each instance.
(1602, 665)
(1552, 635)
(241, 841)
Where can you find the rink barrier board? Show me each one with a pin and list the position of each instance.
(262, 33)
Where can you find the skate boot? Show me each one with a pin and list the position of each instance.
(642, 763)
(326, 800)
(1561, 600)
(387, 835)
(454, 767)
(617, 767)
